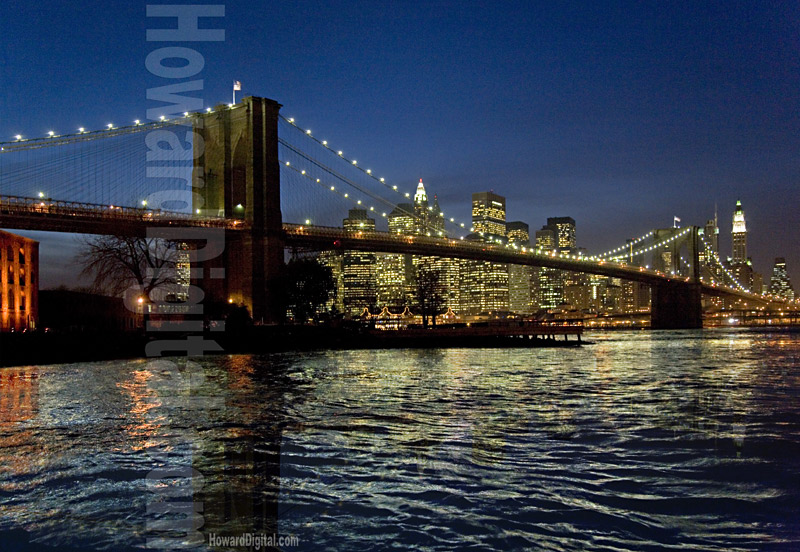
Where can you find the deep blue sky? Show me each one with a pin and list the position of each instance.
(619, 115)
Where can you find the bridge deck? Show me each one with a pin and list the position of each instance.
(64, 216)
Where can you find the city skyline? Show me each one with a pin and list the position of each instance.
(609, 112)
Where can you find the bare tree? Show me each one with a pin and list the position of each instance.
(118, 263)
(430, 293)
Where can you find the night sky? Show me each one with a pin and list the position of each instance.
(619, 115)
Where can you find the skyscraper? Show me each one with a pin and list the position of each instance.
(780, 284)
(484, 284)
(550, 291)
(739, 235)
(564, 228)
(520, 278)
(711, 233)
(489, 213)
(358, 269)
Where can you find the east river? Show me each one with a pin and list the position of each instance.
(642, 441)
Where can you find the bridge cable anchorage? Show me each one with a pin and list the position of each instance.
(367, 172)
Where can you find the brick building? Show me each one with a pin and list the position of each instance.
(19, 282)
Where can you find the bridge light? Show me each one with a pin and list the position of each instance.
(144, 203)
(324, 142)
(291, 120)
(287, 163)
(81, 130)
(208, 110)
(332, 188)
(41, 194)
(383, 214)
(462, 225)
(308, 221)
(51, 133)
(355, 162)
(369, 171)
(197, 211)
(230, 105)
(340, 152)
(452, 219)
(136, 122)
(18, 137)
(308, 131)
(185, 113)
(110, 126)
(408, 195)
(359, 202)
(303, 171)
(163, 118)
(346, 195)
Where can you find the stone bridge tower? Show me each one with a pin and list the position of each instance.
(237, 175)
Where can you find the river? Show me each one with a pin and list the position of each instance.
(641, 441)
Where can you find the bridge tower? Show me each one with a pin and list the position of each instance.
(677, 304)
(237, 172)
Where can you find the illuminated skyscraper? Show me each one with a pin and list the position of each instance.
(564, 228)
(739, 235)
(358, 269)
(711, 233)
(780, 284)
(489, 213)
(550, 292)
(520, 277)
(483, 284)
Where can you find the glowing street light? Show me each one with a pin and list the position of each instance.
(41, 194)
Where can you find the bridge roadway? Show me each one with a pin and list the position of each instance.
(331, 238)
(85, 218)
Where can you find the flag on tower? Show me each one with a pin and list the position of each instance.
(676, 222)
(237, 85)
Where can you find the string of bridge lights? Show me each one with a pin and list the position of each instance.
(335, 174)
(626, 246)
(655, 245)
(82, 132)
(709, 249)
(345, 195)
(380, 180)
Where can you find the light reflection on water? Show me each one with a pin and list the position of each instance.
(643, 440)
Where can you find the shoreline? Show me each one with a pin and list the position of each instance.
(37, 348)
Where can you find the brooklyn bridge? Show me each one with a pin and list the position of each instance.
(245, 176)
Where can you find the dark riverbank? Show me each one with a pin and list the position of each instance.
(38, 348)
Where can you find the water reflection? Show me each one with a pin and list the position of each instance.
(684, 439)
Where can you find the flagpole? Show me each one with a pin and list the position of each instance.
(234, 94)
